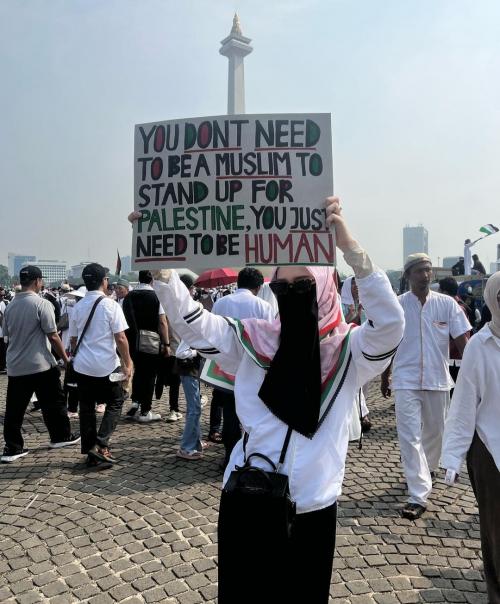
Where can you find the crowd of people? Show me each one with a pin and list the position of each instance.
(292, 362)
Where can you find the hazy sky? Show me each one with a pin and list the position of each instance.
(413, 87)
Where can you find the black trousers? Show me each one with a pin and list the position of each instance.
(215, 414)
(168, 377)
(3, 350)
(485, 479)
(91, 391)
(48, 389)
(252, 568)
(231, 431)
(143, 382)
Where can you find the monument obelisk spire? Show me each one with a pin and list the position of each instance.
(235, 47)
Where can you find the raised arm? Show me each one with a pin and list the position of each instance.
(374, 344)
(209, 334)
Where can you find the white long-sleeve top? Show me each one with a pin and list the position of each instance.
(475, 405)
(315, 467)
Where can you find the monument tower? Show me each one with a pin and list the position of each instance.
(236, 47)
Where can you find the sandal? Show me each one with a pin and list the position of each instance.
(412, 511)
(215, 437)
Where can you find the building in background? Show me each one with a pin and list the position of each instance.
(16, 261)
(52, 270)
(449, 261)
(75, 272)
(126, 264)
(415, 239)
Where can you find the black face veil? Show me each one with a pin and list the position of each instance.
(292, 386)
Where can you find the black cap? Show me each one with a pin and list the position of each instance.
(28, 274)
(187, 280)
(93, 274)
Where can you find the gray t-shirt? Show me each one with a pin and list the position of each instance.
(28, 318)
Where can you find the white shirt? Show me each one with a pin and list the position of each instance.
(243, 305)
(3, 306)
(96, 355)
(315, 467)
(150, 288)
(475, 405)
(421, 362)
(468, 258)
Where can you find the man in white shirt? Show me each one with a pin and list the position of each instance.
(421, 379)
(472, 430)
(243, 304)
(94, 362)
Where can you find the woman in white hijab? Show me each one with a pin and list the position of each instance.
(472, 431)
(295, 380)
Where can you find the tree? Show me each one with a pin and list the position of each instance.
(4, 275)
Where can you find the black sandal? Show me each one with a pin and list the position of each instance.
(412, 511)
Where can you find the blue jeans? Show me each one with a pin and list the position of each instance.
(191, 438)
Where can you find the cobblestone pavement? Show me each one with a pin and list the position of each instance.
(145, 531)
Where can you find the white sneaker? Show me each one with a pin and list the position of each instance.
(72, 439)
(9, 458)
(173, 416)
(148, 417)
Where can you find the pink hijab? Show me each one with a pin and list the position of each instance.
(333, 330)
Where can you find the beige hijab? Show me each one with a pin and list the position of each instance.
(491, 298)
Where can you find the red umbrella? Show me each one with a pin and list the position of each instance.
(216, 276)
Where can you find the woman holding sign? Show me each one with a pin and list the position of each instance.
(295, 381)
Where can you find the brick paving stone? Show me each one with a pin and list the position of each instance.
(145, 531)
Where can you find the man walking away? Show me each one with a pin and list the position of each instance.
(97, 329)
(421, 379)
(147, 326)
(30, 327)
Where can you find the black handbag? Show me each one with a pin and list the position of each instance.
(261, 498)
(70, 373)
(147, 341)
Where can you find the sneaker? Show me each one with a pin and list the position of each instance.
(73, 414)
(10, 457)
(102, 454)
(132, 412)
(145, 418)
(72, 439)
(412, 511)
(101, 408)
(191, 455)
(173, 416)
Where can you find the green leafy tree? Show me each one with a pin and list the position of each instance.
(4, 275)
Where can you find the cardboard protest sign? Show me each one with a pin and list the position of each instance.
(238, 190)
